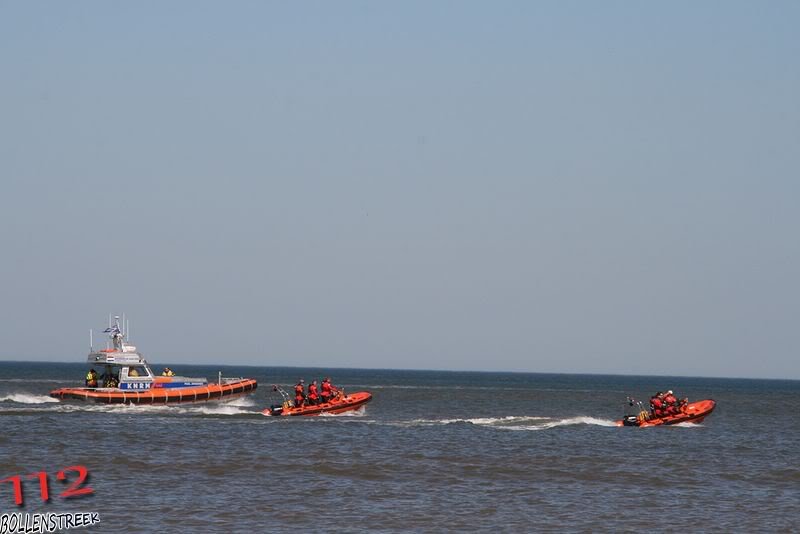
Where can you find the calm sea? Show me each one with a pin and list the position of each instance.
(434, 451)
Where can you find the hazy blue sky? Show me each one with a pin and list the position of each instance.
(561, 186)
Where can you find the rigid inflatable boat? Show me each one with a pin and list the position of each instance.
(128, 379)
(693, 412)
(339, 404)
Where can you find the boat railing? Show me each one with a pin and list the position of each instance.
(228, 379)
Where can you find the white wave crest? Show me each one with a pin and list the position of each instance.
(498, 421)
(233, 407)
(33, 380)
(392, 386)
(512, 422)
(242, 402)
(218, 409)
(27, 398)
(688, 424)
(480, 421)
(227, 408)
(359, 412)
(580, 420)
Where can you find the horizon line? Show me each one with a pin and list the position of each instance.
(482, 371)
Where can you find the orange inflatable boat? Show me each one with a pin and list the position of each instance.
(340, 404)
(693, 412)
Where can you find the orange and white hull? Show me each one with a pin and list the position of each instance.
(346, 403)
(693, 412)
(159, 395)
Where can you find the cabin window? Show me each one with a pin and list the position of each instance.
(110, 378)
(136, 371)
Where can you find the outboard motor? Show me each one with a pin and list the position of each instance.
(630, 420)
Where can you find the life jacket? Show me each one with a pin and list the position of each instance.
(298, 391)
(312, 392)
(326, 389)
(670, 400)
(91, 380)
(656, 403)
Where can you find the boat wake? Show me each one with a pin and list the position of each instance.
(241, 402)
(28, 403)
(688, 424)
(27, 398)
(216, 409)
(512, 422)
(580, 420)
(33, 380)
(482, 421)
(359, 412)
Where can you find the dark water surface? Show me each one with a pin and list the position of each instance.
(434, 451)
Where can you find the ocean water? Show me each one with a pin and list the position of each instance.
(433, 451)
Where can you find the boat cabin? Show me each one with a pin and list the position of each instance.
(122, 367)
(120, 375)
(125, 370)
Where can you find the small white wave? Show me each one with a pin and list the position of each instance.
(581, 420)
(58, 408)
(480, 421)
(116, 408)
(513, 422)
(440, 387)
(218, 409)
(27, 398)
(33, 380)
(498, 421)
(392, 386)
(360, 412)
(242, 402)
(227, 408)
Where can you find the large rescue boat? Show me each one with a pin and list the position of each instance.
(127, 378)
(693, 412)
(339, 404)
